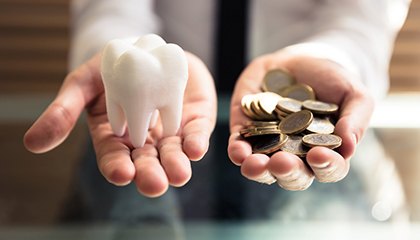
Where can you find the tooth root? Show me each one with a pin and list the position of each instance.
(154, 119)
(115, 117)
(171, 118)
(138, 123)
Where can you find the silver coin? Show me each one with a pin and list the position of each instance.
(321, 125)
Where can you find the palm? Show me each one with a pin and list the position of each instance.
(161, 161)
(331, 84)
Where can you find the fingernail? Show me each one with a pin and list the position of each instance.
(292, 175)
(296, 181)
(121, 184)
(321, 165)
(266, 178)
(328, 174)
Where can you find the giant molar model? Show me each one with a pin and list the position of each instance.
(141, 77)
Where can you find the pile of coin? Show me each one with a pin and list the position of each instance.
(287, 117)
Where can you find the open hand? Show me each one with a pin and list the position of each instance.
(162, 161)
(331, 84)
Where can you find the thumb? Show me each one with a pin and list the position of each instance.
(56, 122)
(354, 119)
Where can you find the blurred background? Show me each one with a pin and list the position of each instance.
(34, 40)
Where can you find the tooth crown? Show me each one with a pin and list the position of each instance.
(142, 76)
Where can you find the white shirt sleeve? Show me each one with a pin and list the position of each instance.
(95, 22)
(359, 35)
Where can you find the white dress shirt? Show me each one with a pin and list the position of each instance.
(358, 34)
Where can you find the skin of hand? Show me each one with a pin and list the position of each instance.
(331, 83)
(162, 161)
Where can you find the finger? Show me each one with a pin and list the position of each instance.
(150, 177)
(290, 171)
(200, 109)
(174, 161)
(196, 135)
(327, 165)
(254, 167)
(354, 119)
(248, 82)
(112, 153)
(52, 127)
(55, 124)
(238, 149)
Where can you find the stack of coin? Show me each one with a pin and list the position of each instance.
(261, 106)
(287, 117)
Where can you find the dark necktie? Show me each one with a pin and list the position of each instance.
(230, 42)
(229, 62)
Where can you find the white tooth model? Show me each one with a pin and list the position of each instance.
(140, 77)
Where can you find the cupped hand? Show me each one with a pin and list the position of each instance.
(331, 83)
(162, 161)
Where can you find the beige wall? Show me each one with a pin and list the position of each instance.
(405, 64)
(33, 61)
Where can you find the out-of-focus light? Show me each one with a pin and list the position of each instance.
(381, 211)
(397, 111)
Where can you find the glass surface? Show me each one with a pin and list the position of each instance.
(220, 230)
(377, 200)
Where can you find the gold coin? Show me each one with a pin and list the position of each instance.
(266, 128)
(261, 123)
(295, 110)
(267, 117)
(268, 144)
(274, 116)
(320, 107)
(294, 145)
(289, 105)
(281, 113)
(277, 79)
(246, 105)
(246, 100)
(299, 92)
(296, 122)
(252, 131)
(268, 101)
(281, 117)
(323, 140)
(255, 116)
(244, 131)
(255, 107)
(258, 132)
(321, 125)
